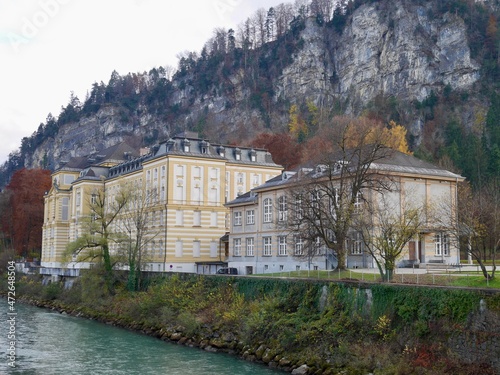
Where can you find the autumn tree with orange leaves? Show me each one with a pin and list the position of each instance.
(22, 210)
(285, 150)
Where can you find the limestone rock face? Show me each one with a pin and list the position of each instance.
(403, 52)
(395, 48)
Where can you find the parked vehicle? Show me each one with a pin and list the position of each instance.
(227, 271)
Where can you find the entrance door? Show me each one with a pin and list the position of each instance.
(412, 252)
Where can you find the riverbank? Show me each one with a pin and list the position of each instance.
(300, 326)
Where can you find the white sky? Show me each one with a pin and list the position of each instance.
(49, 48)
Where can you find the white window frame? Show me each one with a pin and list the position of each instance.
(298, 246)
(267, 248)
(268, 210)
(250, 246)
(237, 247)
(358, 201)
(442, 244)
(282, 208)
(237, 218)
(299, 210)
(357, 245)
(282, 249)
(250, 217)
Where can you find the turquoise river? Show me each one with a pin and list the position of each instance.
(51, 343)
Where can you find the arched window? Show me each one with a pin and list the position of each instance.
(268, 210)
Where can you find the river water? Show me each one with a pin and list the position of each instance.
(50, 343)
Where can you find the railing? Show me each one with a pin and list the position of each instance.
(70, 272)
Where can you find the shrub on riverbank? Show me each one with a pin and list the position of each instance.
(330, 327)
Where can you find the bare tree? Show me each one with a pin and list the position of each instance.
(259, 21)
(136, 226)
(476, 224)
(301, 8)
(327, 198)
(322, 9)
(386, 226)
(97, 232)
(284, 15)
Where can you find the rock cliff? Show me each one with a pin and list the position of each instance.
(400, 49)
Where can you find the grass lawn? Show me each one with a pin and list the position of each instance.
(454, 278)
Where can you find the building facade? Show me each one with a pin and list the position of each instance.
(191, 180)
(261, 242)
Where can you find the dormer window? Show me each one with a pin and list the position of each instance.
(204, 147)
(253, 155)
(222, 151)
(170, 144)
(237, 154)
(186, 144)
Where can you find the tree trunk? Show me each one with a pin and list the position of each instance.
(108, 268)
(486, 275)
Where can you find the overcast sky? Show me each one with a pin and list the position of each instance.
(49, 48)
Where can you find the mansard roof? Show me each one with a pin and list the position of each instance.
(394, 162)
(389, 161)
(105, 157)
(398, 162)
(248, 198)
(200, 147)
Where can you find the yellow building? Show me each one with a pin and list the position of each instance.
(191, 180)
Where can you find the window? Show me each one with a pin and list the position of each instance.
(240, 178)
(178, 248)
(334, 200)
(93, 199)
(256, 179)
(315, 198)
(250, 247)
(358, 201)
(442, 243)
(318, 246)
(65, 208)
(299, 211)
(196, 218)
(282, 245)
(213, 249)
(196, 249)
(237, 247)
(299, 246)
(250, 217)
(357, 245)
(268, 246)
(268, 210)
(179, 217)
(213, 219)
(68, 179)
(282, 208)
(160, 248)
(237, 218)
